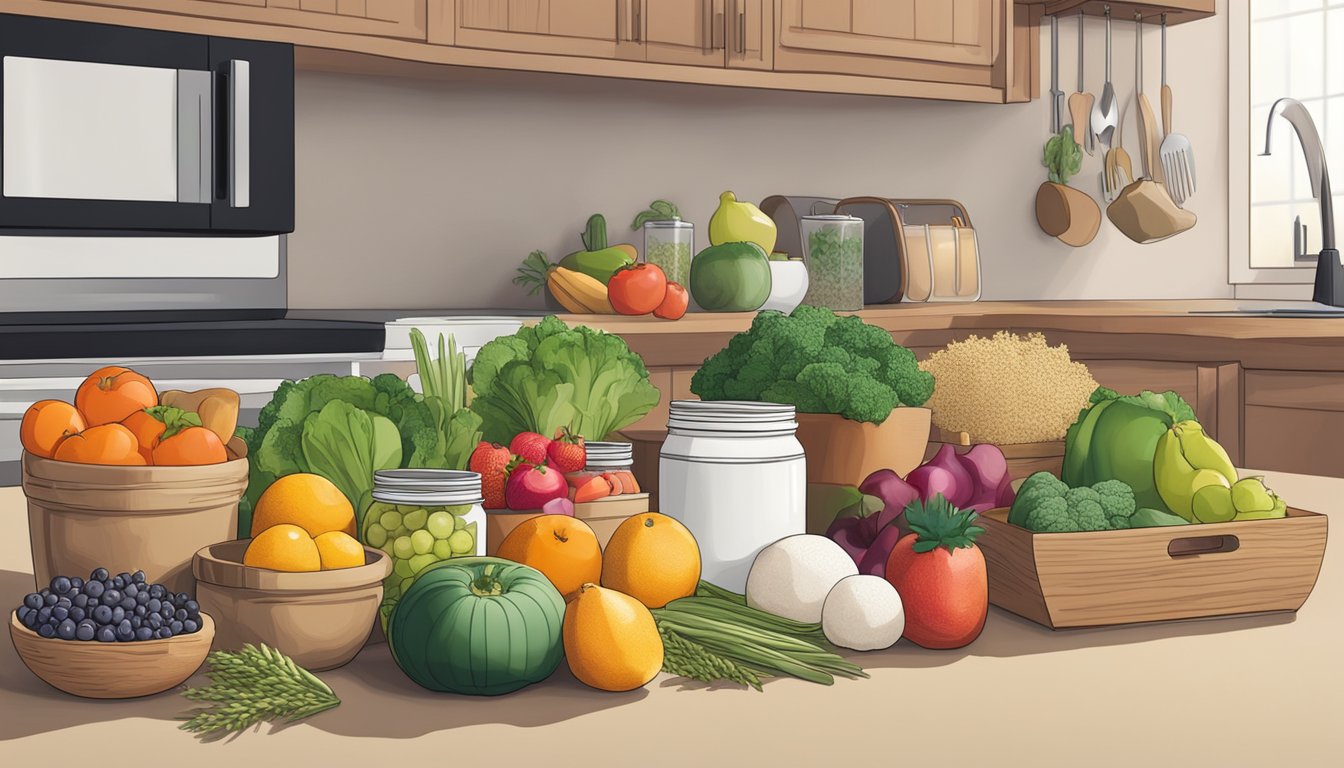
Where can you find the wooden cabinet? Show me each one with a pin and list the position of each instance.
(939, 41)
(713, 33)
(379, 18)
(592, 28)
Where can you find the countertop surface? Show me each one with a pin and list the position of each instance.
(1244, 691)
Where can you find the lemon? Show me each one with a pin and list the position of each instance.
(339, 549)
(309, 501)
(283, 547)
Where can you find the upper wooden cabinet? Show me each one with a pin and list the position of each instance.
(711, 33)
(591, 28)
(964, 50)
(382, 18)
(942, 41)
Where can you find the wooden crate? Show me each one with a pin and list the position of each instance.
(1024, 459)
(1152, 574)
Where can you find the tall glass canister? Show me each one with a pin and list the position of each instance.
(669, 245)
(735, 475)
(833, 250)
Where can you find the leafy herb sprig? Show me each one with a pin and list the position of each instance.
(939, 524)
(1062, 157)
(251, 686)
(659, 210)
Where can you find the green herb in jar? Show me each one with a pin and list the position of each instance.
(834, 270)
(673, 258)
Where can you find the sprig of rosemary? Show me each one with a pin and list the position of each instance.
(251, 686)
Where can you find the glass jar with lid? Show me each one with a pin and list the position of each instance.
(609, 457)
(733, 473)
(669, 245)
(833, 250)
(423, 516)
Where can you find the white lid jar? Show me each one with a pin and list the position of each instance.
(734, 474)
(608, 457)
(423, 516)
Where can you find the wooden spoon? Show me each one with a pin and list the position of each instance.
(1080, 102)
(1148, 142)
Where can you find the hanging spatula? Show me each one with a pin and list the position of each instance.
(1080, 102)
(1105, 113)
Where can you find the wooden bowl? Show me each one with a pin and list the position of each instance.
(112, 670)
(321, 619)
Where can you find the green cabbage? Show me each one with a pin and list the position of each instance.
(549, 376)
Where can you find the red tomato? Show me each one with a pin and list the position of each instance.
(637, 289)
(674, 303)
(945, 593)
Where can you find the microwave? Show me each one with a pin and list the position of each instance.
(118, 129)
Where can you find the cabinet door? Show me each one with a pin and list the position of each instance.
(935, 40)
(383, 18)
(683, 31)
(751, 34)
(568, 27)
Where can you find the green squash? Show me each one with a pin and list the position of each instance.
(732, 277)
(478, 625)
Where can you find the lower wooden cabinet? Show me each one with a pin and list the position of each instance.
(1294, 420)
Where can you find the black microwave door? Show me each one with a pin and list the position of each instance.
(254, 136)
(24, 39)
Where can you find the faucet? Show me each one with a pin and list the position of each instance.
(1329, 287)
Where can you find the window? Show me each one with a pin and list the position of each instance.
(1293, 47)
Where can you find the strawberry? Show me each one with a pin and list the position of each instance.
(530, 486)
(491, 460)
(566, 451)
(531, 446)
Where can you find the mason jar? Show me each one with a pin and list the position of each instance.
(423, 516)
(669, 245)
(833, 250)
(735, 475)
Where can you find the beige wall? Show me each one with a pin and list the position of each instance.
(416, 194)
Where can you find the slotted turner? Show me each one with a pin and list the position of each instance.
(1177, 156)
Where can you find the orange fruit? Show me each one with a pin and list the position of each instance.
(111, 394)
(103, 444)
(192, 446)
(653, 558)
(46, 423)
(611, 640)
(283, 547)
(310, 501)
(563, 548)
(147, 431)
(338, 549)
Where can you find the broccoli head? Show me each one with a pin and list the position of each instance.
(818, 362)
(1045, 504)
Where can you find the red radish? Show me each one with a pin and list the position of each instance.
(530, 486)
(558, 507)
(491, 461)
(940, 575)
(531, 446)
(566, 452)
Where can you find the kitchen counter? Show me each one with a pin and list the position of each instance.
(1247, 691)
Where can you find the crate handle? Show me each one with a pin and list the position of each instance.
(1202, 545)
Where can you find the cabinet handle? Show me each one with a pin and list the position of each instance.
(741, 28)
(637, 34)
(717, 33)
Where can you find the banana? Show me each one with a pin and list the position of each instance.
(578, 293)
(1202, 451)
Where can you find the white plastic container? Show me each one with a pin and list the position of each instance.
(735, 475)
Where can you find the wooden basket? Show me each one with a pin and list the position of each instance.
(1103, 578)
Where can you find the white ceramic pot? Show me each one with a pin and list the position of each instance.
(788, 285)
